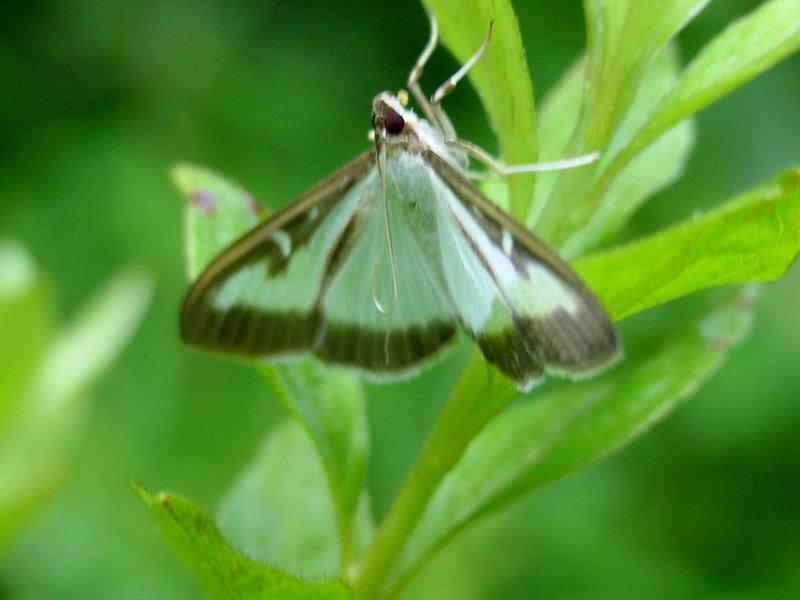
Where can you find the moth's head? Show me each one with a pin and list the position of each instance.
(397, 126)
(390, 117)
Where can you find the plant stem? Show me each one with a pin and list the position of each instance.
(477, 397)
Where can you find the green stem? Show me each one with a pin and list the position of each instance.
(477, 397)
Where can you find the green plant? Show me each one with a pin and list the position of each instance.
(48, 374)
(628, 97)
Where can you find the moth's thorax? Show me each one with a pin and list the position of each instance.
(410, 182)
(401, 130)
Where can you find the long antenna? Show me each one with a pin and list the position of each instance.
(380, 150)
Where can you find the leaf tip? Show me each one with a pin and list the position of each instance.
(141, 491)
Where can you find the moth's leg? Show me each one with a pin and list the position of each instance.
(419, 66)
(440, 119)
(481, 175)
(450, 84)
(490, 161)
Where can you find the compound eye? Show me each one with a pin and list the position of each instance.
(393, 122)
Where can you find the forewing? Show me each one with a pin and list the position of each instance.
(416, 325)
(259, 297)
(525, 307)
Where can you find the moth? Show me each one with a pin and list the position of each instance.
(377, 266)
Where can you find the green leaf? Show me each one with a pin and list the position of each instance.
(651, 171)
(625, 41)
(558, 117)
(755, 237)
(623, 37)
(220, 570)
(501, 78)
(745, 49)
(218, 211)
(36, 451)
(27, 323)
(654, 169)
(87, 347)
(328, 402)
(280, 510)
(564, 430)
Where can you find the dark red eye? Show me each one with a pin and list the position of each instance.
(393, 122)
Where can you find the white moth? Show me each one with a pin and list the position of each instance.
(377, 266)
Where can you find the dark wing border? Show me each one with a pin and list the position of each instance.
(559, 343)
(194, 319)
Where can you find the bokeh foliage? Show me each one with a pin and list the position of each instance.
(109, 95)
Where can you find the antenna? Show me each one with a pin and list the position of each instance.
(380, 150)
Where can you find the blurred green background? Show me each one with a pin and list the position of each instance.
(99, 99)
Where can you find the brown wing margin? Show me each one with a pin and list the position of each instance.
(560, 342)
(249, 332)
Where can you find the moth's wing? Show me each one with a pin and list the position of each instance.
(416, 326)
(259, 297)
(524, 306)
